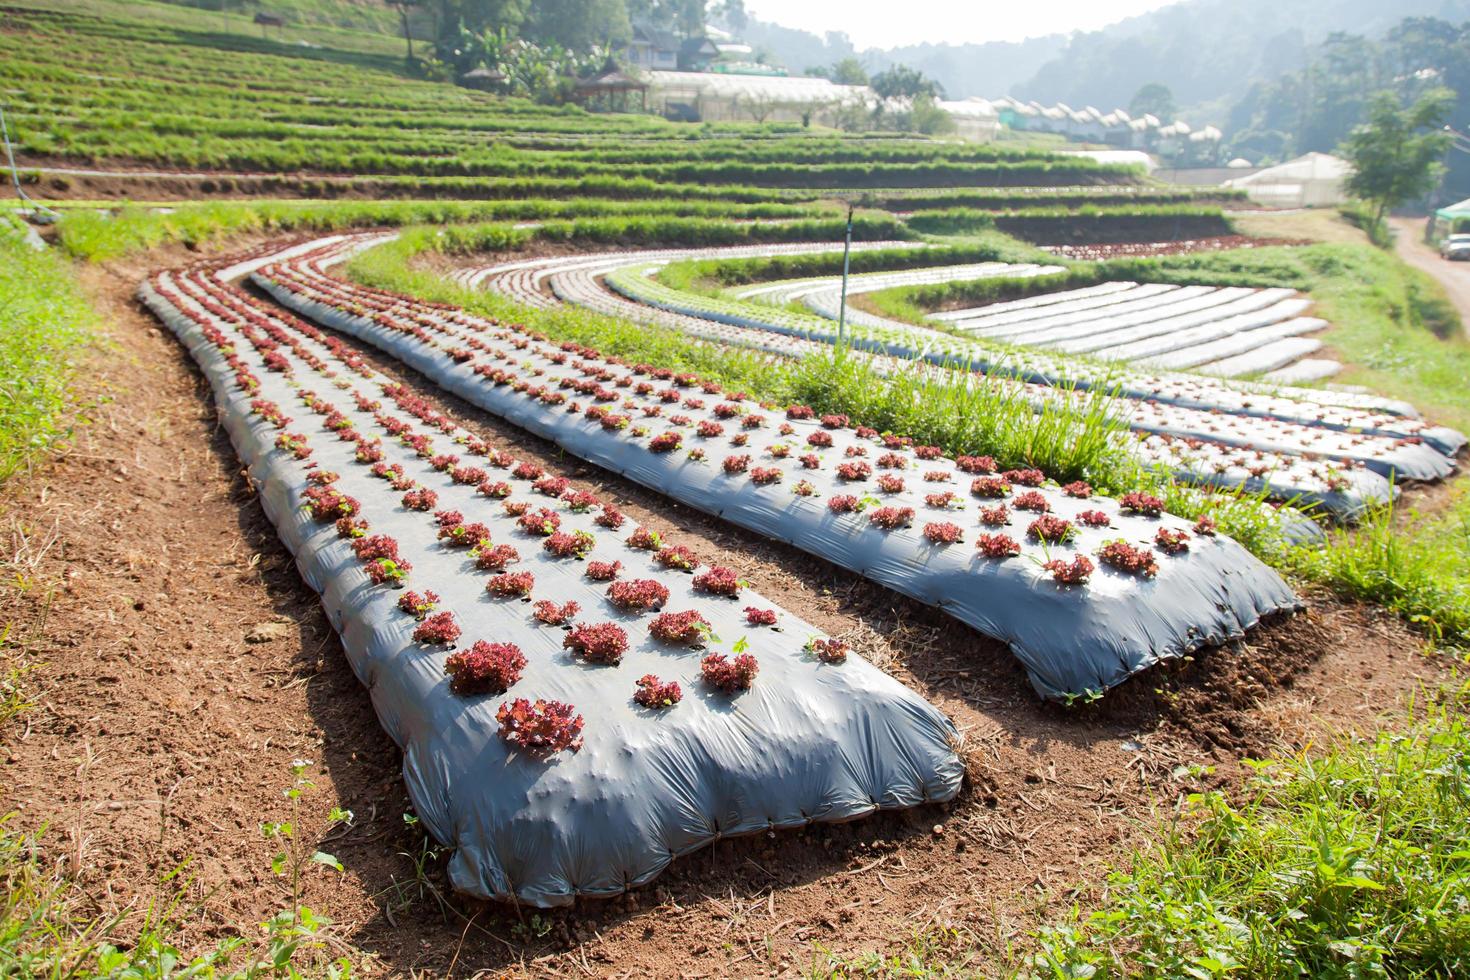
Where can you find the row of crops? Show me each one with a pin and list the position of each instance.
(1335, 449)
(633, 701)
(131, 88)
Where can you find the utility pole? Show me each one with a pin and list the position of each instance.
(842, 305)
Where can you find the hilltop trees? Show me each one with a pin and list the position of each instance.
(1396, 154)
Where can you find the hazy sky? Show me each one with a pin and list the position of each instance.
(875, 24)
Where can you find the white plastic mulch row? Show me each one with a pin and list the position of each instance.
(809, 740)
(1388, 443)
(900, 515)
(1342, 488)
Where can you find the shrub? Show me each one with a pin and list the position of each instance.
(438, 628)
(601, 643)
(729, 675)
(485, 668)
(653, 693)
(543, 726)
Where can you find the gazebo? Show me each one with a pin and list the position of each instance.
(612, 91)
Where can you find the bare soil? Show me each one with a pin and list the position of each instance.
(182, 665)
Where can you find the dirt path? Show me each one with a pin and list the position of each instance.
(1453, 276)
(163, 733)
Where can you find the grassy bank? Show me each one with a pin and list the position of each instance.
(46, 322)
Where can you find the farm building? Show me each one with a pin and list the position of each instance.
(976, 120)
(1311, 180)
(719, 97)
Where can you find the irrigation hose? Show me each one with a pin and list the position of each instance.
(37, 209)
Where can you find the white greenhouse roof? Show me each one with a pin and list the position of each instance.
(795, 88)
(1310, 166)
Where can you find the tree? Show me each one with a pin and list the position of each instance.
(1396, 154)
(848, 71)
(1153, 99)
(903, 82)
(731, 13)
(578, 24)
(927, 118)
(403, 7)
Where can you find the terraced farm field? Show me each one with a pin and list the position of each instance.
(615, 590)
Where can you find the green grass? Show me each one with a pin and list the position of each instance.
(1350, 863)
(44, 323)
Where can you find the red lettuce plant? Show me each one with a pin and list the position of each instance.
(485, 668)
(763, 475)
(1078, 489)
(858, 470)
(551, 486)
(551, 614)
(943, 533)
(1138, 502)
(1205, 527)
(888, 483)
(835, 421)
(797, 412)
(438, 628)
(760, 617)
(511, 584)
(1026, 477)
(892, 461)
(543, 522)
(654, 693)
(543, 726)
(990, 487)
(929, 452)
(976, 464)
(421, 499)
(997, 516)
(498, 489)
(466, 535)
(601, 643)
(579, 501)
(819, 439)
(1094, 518)
(828, 651)
(469, 476)
(527, 471)
(1074, 572)
(665, 442)
(1031, 500)
(418, 606)
(1126, 558)
(1051, 529)
(997, 546)
(494, 559)
(936, 476)
(718, 581)
(642, 539)
(609, 517)
(443, 462)
(677, 556)
(296, 445)
(891, 518)
(1172, 542)
(603, 571)
(322, 477)
(637, 594)
(708, 429)
(564, 545)
(843, 503)
(804, 488)
(727, 674)
(736, 464)
(810, 461)
(680, 627)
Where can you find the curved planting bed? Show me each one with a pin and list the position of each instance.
(578, 702)
(1012, 554)
(1189, 442)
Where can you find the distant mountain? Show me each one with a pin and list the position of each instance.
(1210, 51)
(989, 69)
